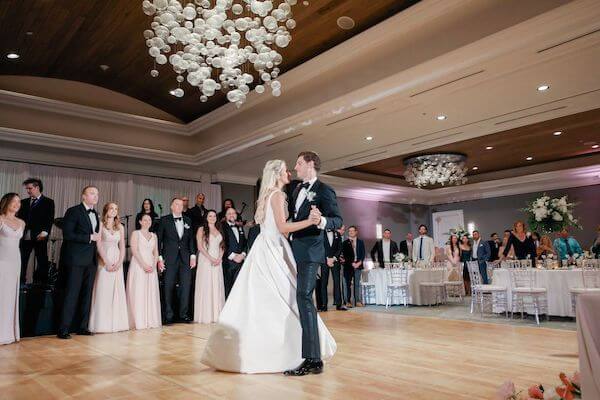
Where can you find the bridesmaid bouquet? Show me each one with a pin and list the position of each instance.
(569, 390)
(550, 215)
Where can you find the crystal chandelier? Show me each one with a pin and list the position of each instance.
(220, 45)
(436, 169)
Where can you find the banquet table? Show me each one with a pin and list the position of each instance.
(556, 281)
(378, 276)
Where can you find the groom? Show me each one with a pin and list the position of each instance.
(309, 198)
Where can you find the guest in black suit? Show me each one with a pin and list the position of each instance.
(384, 249)
(147, 208)
(353, 251)
(494, 246)
(406, 246)
(38, 213)
(198, 212)
(235, 249)
(333, 252)
(80, 233)
(177, 255)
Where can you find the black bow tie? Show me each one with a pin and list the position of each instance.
(178, 218)
(91, 211)
(304, 185)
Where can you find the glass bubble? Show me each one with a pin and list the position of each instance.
(154, 73)
(203, 98)
(154, 51)
(259, 89)
(189, 13)
(282, 40)
(290, 23)
(276, 93)
(179, 78)
(275, 85)
(160, 4)
(237, 9)
(161, 59)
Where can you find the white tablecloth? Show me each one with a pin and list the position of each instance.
(378, 276)
(557, 282)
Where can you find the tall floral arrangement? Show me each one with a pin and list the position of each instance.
(550, 215)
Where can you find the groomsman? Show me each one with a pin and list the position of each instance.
(235, 249)
(333, 252)
(384, 249)
(198, 212)
(481, 254)
(406, 246)
(423, 248)
(176, 249)
(38, 213)
(80, 233)
(353, 251)
(494, 246)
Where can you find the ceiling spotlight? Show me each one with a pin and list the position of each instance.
(543, 88)
(489, 147)
(529, 158)
(557, 133)
(475, 168)
(369, 138)
(12, 56)
(345, 23)
(29, 33)
(595, 146)
(441, 117)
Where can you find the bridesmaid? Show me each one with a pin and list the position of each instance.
(109, 303)
(210, 288)
(143, 296)
(11, 230)
(453, 256)
(465, 256)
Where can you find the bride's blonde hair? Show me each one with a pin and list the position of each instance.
(271, 173)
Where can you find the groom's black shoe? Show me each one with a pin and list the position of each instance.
(307, 367)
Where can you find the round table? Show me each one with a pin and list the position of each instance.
(378, 276)
(557, 282)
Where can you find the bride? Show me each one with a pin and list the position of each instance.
(259, 328)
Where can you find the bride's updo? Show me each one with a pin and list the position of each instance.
(271, 173)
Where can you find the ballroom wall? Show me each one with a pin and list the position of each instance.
(240, 194)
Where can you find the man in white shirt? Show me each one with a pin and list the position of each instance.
(423, 247)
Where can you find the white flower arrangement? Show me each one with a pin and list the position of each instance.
(399, 257)
(550, 215)
(458, 232)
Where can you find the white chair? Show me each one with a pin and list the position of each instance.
(525, 293)
(591, 284)
(434, 291)
(455, 288)
(368, 292)
(397, 284)
(485, 295)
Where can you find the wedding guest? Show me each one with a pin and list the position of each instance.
(466, 252)
(210, 293)
(176, 249)
(511, 252)
(595, 249)
(452, 252)
(109, 302)
(333, 251)
(495, 244)
(235, 248)
(406, 246)
(481, 253)
(353, 250)
(81, 227)
(198, 212)
(566, 246)
(227, 203)
(186, 207)
(423, 247)
(38, 213)
(143, 293)
(521, 243)
(147, 209)
(11, 231)
(384, 249)
(545, 248)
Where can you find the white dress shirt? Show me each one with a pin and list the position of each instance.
(91, 216)
(475, 247)
(423, 246)
(302, 196)
(179, 225)
(385, 245)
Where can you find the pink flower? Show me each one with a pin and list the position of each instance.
(506, 391)
(535, 392)
(576, 379)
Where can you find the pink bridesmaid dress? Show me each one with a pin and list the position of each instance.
(143, 296)
(10, 272)
(210, 289)
(109, 303)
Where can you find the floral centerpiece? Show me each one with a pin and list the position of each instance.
(550, 215)
(459, 232)
(399, 257)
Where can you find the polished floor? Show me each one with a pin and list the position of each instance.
(380, 356)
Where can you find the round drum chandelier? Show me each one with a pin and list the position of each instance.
(436, 169)
(220, 45)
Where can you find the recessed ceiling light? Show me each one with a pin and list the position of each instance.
(369, 138)
(345, 23)
(29, 33)
(475, 168)
(595, 146)
(12, 56)
(529, 158)
(557, 133)
(104, 67)
(441, 117)
(489, 147)
(543, 88)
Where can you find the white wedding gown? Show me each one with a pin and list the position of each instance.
(259, 328)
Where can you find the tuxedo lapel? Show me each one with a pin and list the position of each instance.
(304, 208)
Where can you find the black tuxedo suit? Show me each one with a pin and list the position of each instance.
(333, 250)
(309, 251)
(377, 252)
(198, 216)
(494, 248)
(80, 262)
(404, 249)
(38, 217)
(176, 252)
(231, 269)
(350, 273)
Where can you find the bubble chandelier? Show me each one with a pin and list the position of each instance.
(436, 169)
(220, 45)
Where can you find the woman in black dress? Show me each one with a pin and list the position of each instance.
(466, 253)
(147, 208)
(522, 245)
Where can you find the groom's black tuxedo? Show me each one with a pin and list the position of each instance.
(309, 251)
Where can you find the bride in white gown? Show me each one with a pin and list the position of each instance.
(259, 328)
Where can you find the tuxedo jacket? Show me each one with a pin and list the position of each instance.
(404, 248)
(308, 244)
(428, 251)
(494, 250)
(170, 246)
(38, 218)
(348, 253)
(377, 252)
(232, 245)
(335, 249)
(78, 249)
(198, 216)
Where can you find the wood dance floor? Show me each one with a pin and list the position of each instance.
(380, 356)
